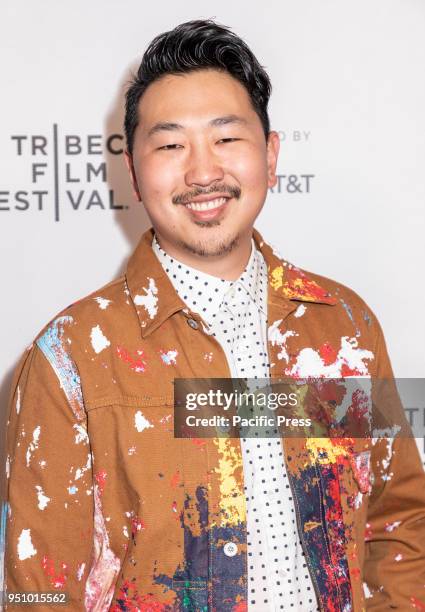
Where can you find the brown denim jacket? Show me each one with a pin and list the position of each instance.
(105, 504)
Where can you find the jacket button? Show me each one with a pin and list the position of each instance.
(193, 324)
(230, 549)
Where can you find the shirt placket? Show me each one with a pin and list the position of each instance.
(237, 304)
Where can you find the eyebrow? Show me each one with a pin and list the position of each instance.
(168, 126)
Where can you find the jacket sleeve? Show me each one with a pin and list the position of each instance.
(394, 572)
(49, 493)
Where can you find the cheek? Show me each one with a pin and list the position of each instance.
(157, 179)
(250, 170)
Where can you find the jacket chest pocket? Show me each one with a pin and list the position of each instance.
(154, 492)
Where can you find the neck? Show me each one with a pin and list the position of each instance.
(228, 266)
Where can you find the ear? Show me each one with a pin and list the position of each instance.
(273, 146)
(130, 168)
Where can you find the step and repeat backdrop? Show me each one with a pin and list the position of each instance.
(348, 99)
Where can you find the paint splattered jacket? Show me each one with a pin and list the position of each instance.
(107, 505)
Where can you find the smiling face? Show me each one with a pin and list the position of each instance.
(202, 167)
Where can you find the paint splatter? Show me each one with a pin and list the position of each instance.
(367, 592)
(366, 317)
(57, 580)
(100, 478)
(358, 500)
(130, 599)
(18, 400)
(391, 526)
(347, 309)
(81, 436)
(52, 346)
(198, 442)
(208, 357)
(276, 337)
(326, 451)
(131, 450)
(79, 472)
(368, 532)
(33, 445)
(300, 311)
(137, 363)
(232, 499)
(416, 603)
(328, 353)
(103, 302)
(99, 341)
(355, 572)
(386, 436)
(8, 466)
(72, 490)
(296, 285)
(398, 557)
(140, 422)
(350, 361)
(137, 524)
(169, 357)
(25, 546)
(360, 464)
(310, 525)
(276, 278)
(103, 573)
(80, 571)
(175, 479)
(43, 500)
(149, 301)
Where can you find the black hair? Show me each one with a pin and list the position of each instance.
(197, 45)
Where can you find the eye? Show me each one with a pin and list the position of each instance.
(229, 139)
(169, 147)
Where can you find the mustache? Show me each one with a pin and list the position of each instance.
(233, 191)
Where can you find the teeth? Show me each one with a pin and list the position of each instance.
(206, 205)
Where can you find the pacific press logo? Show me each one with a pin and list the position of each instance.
(61, 171)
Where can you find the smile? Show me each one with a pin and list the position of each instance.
(206, 205)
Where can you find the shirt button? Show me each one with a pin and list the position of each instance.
(192, 323)
(230, 549)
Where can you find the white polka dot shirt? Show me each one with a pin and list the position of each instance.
(235, 312)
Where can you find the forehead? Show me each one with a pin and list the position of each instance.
(194, 97)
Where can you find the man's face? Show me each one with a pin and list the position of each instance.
(201, 164)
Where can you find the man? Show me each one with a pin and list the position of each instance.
(105, 504)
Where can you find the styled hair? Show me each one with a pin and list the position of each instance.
(197, 45)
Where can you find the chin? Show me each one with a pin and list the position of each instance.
(211, 248)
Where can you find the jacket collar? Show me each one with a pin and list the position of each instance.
(289, 282)
(150, 289)
(155, 298)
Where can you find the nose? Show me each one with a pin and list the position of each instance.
(203, 167)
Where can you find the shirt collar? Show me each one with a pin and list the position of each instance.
(253, 280)
(155, 299)
(183, 277)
